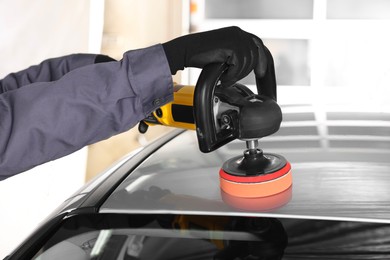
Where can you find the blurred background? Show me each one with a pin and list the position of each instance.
(330, 52)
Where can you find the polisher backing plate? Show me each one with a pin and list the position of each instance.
(272, 181)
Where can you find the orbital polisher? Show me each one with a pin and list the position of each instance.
(220, 114)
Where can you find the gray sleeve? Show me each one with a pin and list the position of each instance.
(48, 120)
(48, 70)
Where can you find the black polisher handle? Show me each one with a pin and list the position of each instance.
(208, 138)
(267, 85)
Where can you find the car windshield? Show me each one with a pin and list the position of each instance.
(119, 236)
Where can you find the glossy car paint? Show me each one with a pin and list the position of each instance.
(341, 171)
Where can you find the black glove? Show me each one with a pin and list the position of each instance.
(103, 58)
(242, 51)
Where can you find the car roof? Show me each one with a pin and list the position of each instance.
(340, 168)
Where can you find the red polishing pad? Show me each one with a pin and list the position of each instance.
(262, 204)
(274, 178)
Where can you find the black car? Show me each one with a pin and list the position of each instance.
(164, 201)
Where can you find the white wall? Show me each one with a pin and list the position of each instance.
(31, 31)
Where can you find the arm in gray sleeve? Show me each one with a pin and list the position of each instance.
(48, 70)
(47, 120)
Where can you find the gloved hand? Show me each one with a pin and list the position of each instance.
(242, 51)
